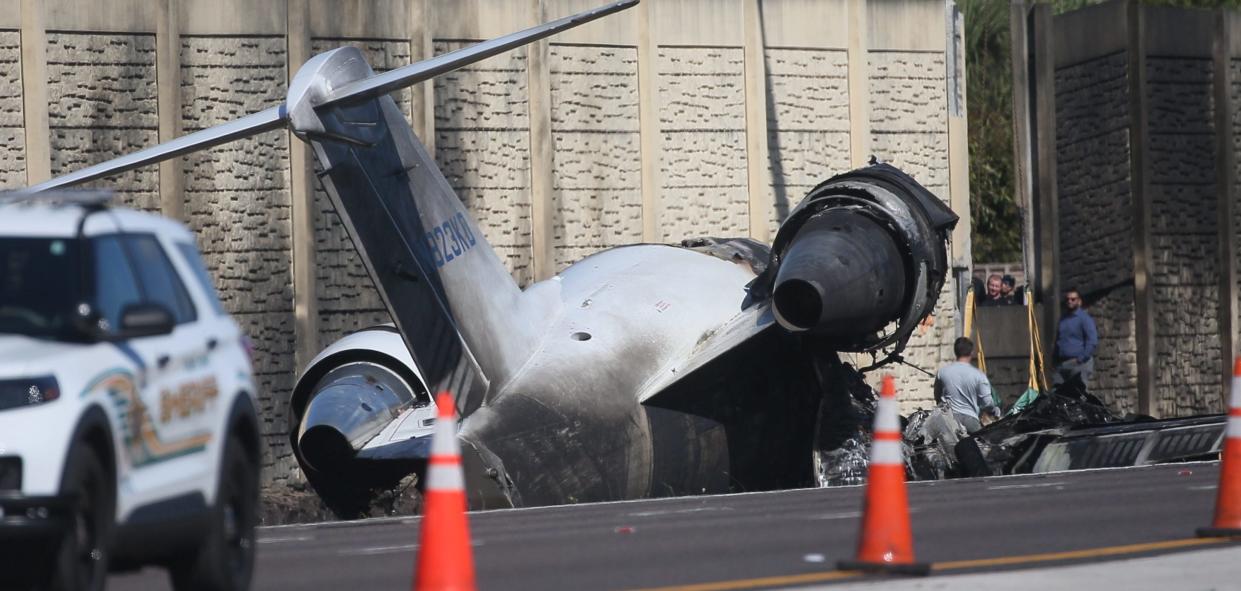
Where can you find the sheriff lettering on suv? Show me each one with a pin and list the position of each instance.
(128, 433)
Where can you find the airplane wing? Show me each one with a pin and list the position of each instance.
(749, 324)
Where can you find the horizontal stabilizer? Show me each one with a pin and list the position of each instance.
(265, 120)
(402, 77)
(378, 85)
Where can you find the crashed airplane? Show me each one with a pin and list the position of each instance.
(640, 371)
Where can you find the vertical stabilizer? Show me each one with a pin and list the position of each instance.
(463, 317)
(465, 321)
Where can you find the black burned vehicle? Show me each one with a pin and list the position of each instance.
(1064, 429)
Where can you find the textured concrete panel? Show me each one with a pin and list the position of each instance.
(701, 96)
(101, 103)
(1179, 95)
(908, 117)
(594, 88)
(705, 191)
(12, 118)
(1087, 101)
(807, 122)
(908, 92)
(799, 160)
(909, 129)
(348, 299)
(1092, 163)
(1184, 233)
(929, 348)
(596, 174)
(482, 143)
(923, 155)
(1235, 129)
(1116, 366)
(272, 334)
(701, 88)
(237, 201)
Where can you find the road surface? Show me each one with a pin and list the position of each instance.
(762, 540)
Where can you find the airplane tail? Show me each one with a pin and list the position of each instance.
(465, 321)
(462, 315)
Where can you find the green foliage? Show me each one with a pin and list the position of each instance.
(996, 219)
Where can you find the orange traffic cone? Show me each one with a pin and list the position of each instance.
(886, 543)
(1228, 501)
(445, 561)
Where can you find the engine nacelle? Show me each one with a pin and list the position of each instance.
(347, 408)
(347, 396)
(860, 262)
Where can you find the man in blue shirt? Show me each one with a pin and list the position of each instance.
(1076, 340)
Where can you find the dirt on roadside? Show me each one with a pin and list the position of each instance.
(297, 502)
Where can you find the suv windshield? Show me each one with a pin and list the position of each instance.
(40, 286)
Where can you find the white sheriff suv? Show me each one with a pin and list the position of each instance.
(128, 429)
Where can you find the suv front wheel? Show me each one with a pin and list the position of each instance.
(82, 559)
(225, 560)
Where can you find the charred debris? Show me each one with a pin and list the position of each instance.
(1064, 429)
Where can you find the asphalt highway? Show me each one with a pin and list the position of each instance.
(761, 540)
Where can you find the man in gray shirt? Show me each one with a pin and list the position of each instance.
(966, 390)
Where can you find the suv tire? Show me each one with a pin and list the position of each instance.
(225, 559)
(82, 558)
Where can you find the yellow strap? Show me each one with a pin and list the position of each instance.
(1038, 365)
(969, 312)
(970, 328)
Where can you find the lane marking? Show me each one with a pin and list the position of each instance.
(679, 511)
(389, 549)
(763, 582)
(1074, 554)
(1203, 487)
(830, 516)
(1031, 485)
(376, 550)
(938, 567)
(285, 539)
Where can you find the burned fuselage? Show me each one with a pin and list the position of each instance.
(665, 370)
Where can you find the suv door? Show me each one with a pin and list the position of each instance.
(172, 429)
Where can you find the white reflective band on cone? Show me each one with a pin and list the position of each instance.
(444, 441)
(1234, 427)
(1236, 392)
(445, 477)
(887, 416)
(886, 452)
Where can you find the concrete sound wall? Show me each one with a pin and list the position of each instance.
(675, 119)
(1142, 112)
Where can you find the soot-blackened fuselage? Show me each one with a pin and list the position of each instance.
(570, 427)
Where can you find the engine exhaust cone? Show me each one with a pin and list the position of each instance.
(841, 277)
(348, 407)
(325, 448)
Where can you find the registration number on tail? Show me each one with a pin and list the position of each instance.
(449, 240)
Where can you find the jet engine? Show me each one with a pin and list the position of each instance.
(360, 412)
(861, 260)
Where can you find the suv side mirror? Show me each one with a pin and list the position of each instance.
(145, 319)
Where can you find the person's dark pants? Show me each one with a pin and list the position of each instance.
(971, 424)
